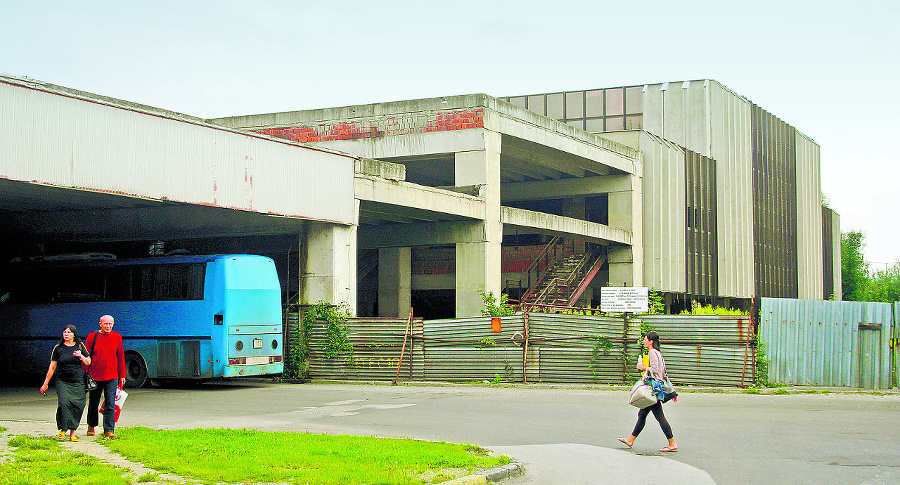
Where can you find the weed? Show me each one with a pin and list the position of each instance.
(781, 392)
(149, 477)
(486, 342)
(494, 309)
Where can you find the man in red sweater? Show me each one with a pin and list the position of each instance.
(108, 369)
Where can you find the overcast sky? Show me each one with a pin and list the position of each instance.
(828, 68)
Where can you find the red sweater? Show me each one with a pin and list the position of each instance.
(107, 356)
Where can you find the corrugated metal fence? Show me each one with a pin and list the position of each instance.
(541, 347)
(829, 343)
(377, 343)
(706, 350)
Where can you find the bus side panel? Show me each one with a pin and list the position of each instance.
(25, 345)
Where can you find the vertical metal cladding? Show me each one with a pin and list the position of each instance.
(832, 255)
(729, 117)
(774, 206)
(708, 119)
(827, 343)
(809, 218)
(827, 254)
(701, 242)
(663, 214)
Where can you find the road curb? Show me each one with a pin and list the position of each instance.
(510, 470)
(496, 474)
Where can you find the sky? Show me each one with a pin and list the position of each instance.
(828, 68)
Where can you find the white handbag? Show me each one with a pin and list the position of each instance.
(642, 394)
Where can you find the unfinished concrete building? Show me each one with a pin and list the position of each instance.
(686, 188)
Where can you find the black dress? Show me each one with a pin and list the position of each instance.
(70, 391)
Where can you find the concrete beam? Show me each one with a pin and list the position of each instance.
(558, 189)
(411, 195)
(565, 226)
(587, 149)
(426, 234)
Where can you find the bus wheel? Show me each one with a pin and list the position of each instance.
(135, 370)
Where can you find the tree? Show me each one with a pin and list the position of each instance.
(884, 286)
(854, 268)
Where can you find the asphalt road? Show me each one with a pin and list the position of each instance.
(562, 435)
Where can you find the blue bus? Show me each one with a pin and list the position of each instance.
(181, 317)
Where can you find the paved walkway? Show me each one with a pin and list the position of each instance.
(88, 445)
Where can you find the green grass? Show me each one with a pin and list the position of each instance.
(38, 461)
(238, 456)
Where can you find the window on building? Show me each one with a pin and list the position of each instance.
(615, 123)
(593, 103)
(615, 101)
(575, 105)
(593, 125)
(536, 104)
(555, 106)
(634, 100)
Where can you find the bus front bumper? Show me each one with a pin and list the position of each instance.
(253, 369)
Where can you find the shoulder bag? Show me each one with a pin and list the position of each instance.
(642, 394)
(89, 383)
(668, 390)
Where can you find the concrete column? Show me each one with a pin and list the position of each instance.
(478, 261)
(328, 264)
(626, 266)
(394, 282)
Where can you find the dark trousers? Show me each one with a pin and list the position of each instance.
(108, 388)
(658, 414)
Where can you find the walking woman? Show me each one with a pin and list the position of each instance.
(66, 362)
(657, 371)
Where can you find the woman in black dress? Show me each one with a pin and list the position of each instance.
(66, 362)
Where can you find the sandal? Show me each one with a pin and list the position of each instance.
(61, 435)
(668, 449)
(72, 437)
(626, 442)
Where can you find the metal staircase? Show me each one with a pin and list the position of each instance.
(565, 279)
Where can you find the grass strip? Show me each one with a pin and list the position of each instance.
(242, 455)
(39, 461)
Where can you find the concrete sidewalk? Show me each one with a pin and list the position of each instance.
(577, 464)
(545, 464)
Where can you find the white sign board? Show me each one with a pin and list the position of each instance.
(618, 299)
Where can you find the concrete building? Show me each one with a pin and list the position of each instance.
(687, 188)
(718, 200)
